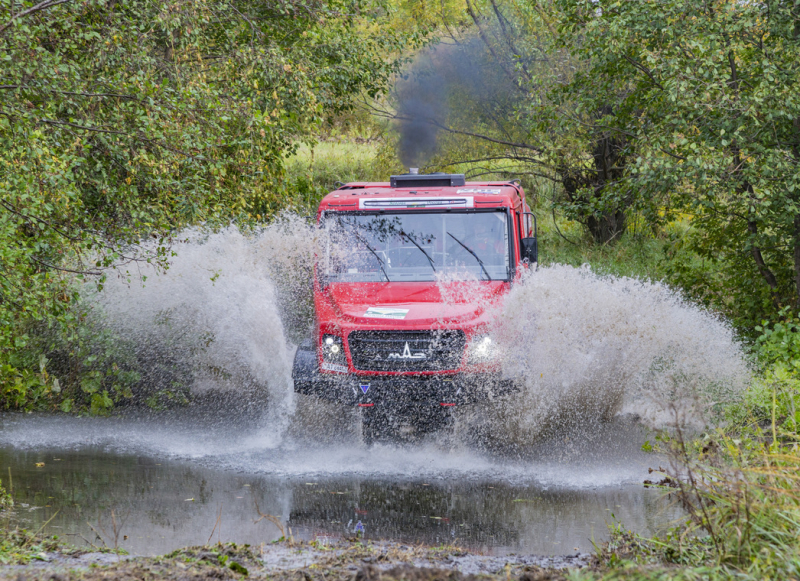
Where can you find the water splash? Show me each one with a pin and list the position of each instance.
(584, 348)
(219, 309)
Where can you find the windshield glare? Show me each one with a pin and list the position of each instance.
(407, 247)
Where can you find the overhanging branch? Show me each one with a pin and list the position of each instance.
(44, 5)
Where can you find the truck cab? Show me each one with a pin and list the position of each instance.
(405, 284)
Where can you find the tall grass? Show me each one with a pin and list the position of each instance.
(740, 488)
(313, 171)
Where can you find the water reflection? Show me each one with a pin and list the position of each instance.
(160, 505)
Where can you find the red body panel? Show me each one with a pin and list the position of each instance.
(340, 307)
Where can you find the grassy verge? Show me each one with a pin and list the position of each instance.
(740, 487)
(635, 254)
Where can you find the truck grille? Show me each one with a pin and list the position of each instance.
(406, 350)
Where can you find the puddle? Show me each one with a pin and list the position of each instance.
(160, 504)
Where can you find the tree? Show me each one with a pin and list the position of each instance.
(126, 121)
(713, 107)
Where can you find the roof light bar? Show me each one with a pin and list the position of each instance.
(386, 203)
(430, 180)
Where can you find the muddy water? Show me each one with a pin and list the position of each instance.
(172, 484)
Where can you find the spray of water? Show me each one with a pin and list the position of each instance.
(582, 347)
(219, 308)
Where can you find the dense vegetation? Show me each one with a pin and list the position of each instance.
(657, 138)
(125, 122)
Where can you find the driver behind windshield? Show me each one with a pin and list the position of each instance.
(488, 240)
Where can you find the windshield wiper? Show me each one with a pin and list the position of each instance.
(380, 260)
(421, 249)
(468, 249)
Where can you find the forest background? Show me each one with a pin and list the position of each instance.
(658, 139)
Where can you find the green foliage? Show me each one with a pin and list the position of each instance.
(128, 121)
(633, 254)
(772, 399)
(779, 343)
(5, 498)
(771, 402)
(22, 388)
(314, 170)
(710, 107)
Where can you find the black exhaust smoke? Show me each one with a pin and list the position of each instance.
(447, 85)
(418, 131)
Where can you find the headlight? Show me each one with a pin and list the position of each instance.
(333, 358)
(481, 350)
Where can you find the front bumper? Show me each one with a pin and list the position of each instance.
(395, 390)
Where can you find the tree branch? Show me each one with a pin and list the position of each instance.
(83, 127)
(387, 115)
(507, 37)
(559, 231)
(645, 70)
(484, 137)
(488, 44)
(90, 272)
(766, 273)
(44, 5)
(34, 219)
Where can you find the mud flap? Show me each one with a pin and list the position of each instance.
(305, 370)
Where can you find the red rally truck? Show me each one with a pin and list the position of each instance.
(403, 288)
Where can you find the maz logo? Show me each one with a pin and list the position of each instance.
(407, 354)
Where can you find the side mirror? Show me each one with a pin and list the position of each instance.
(530, 250)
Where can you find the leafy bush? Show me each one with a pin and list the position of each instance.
(127, 121)
(88, 366)
(5, 498)
(771, 403)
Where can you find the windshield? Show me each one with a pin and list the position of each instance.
(416, 246)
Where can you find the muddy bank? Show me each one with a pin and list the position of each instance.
(350, 560)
